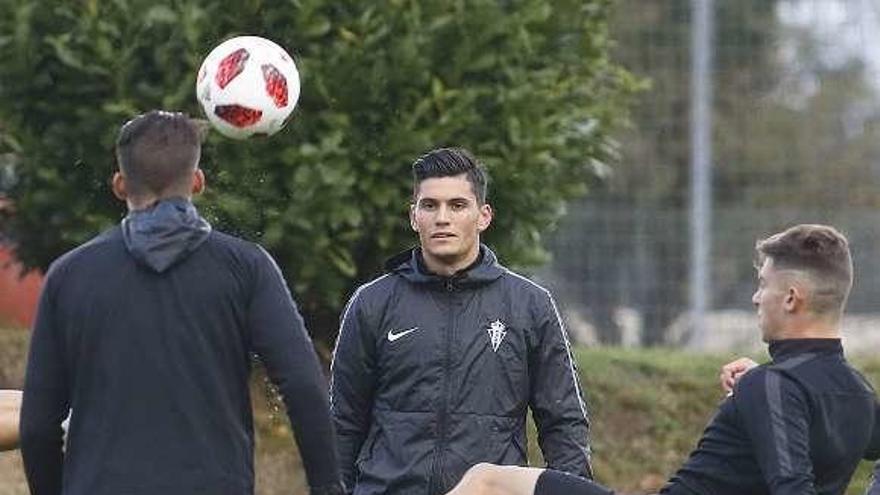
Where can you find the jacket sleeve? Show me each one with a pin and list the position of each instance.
(872, 453)
(45, 401)
(555, 397)
(280, 339)
(776, 416)
(874, 489)
(351, 386)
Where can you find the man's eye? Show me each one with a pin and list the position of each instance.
(459, 206)
(428, 206)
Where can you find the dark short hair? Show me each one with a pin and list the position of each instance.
(157, 151)
(451, 162)
(820, 251)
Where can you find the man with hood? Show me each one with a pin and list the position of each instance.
(147, 333)
(438, 361)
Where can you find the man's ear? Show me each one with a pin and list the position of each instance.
(485, 219)
(795, 298)
(198, 181)
(117, 183)
(412, 218)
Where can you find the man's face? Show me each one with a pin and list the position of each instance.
(449, 220)
(772, 299)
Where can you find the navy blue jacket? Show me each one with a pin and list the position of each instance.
(432, 375)
(796, 426)
(147, 333)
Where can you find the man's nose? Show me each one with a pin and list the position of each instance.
(442, 215)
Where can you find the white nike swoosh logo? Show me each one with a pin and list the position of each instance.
(394, 336)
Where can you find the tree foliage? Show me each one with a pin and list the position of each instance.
(527, 85)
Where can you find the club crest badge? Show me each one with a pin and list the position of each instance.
(496, 331)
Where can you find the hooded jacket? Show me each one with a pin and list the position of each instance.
(147, 334)
(432, 375)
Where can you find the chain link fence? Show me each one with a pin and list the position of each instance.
(795, 121)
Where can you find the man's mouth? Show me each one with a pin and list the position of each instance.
(442, 235)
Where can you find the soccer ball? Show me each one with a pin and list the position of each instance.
(247, 86)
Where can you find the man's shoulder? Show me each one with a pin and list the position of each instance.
(377, 289)
(237, 249)
(230, 241)
(88, 252)
(372, 295)
(524, 286)
(769, 381)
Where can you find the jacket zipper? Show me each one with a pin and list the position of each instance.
(449, 287)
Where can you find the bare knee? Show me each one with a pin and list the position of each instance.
(483, 479)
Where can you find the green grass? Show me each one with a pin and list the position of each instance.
(648, 409)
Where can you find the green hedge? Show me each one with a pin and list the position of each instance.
(527, 85)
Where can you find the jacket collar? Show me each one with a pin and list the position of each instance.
(781, 350)
(410, 265)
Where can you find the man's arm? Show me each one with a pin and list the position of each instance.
(873, 452)
(279, 337)
(555, 398)
(351, 387)
(10, 409)
(775, 413)
(45, 401)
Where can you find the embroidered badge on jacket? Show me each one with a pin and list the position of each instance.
(496, 331)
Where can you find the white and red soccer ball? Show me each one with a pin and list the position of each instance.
(247, 86)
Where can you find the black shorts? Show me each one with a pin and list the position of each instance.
(558, 483)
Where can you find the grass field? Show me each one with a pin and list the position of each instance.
(648, 408)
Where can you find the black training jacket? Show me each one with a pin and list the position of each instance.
(432, 375)
(796, 426)
(147, 334)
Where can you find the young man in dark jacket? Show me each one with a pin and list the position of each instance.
(798, 425)
(147, 334)
(438, 361)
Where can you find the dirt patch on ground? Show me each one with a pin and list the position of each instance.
(13, 355)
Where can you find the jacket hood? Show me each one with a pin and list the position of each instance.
(410, 265)
(164, 233)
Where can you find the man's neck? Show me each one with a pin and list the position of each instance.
(448, 269)
(137, 204)
(811, 328)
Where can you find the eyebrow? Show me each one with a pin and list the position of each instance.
(450, 200)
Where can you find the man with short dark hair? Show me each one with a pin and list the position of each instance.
(438, 361)
(798, 425)
(147, 334)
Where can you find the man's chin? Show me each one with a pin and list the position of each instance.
(444, 253)
(448, 260)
